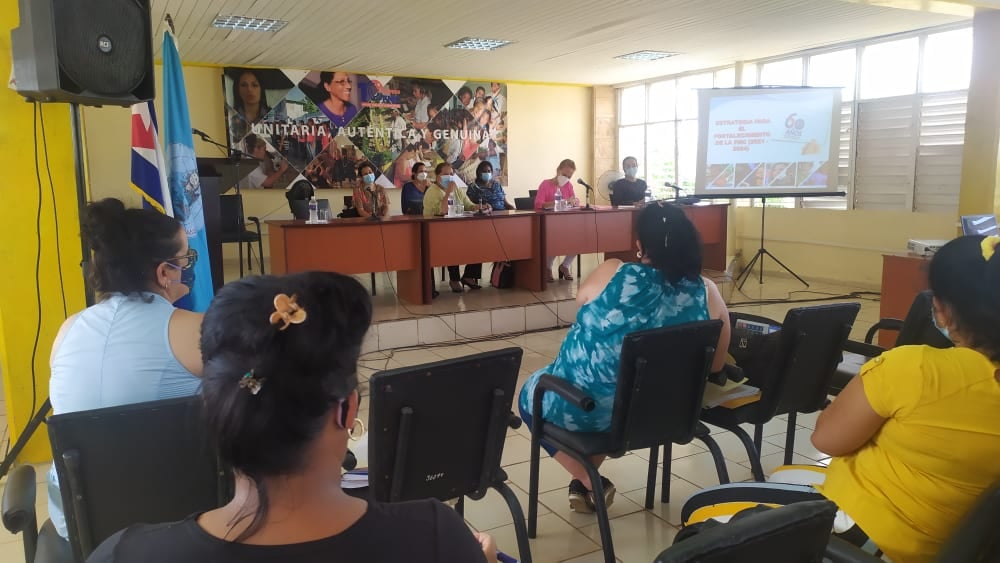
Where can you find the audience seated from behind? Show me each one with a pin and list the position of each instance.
(914, 438)
(133, 345)
(281, 400)
(368, 191)
(487, 190)
(413, 191)
(665, 288)
(436, 204)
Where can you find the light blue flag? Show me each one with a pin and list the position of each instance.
(182, 176)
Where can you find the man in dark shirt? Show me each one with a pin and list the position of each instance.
(629, 189)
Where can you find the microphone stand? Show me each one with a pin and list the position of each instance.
(235, 156)
(587, 195)
(480, 212)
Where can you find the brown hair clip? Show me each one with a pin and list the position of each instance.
(287, 311)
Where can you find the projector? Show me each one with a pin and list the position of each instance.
(925, 246)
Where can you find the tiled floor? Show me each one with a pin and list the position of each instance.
(565, 536)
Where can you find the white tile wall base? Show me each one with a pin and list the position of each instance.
(457, 327)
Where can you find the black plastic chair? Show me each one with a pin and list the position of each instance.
(796, 533)
(118, 466)
(661, 382)
(437, 431)
(793, 378)
(234, 230)
(524, 203)
(916, 328)
(532, 194)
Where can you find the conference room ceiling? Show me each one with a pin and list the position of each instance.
(563, 41)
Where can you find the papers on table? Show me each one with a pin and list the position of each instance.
(731, 395)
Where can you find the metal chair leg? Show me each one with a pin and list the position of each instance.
(668, 454)
(579, 268)
(460, 506)
(790, 437)
(520, 530)
(651, 476)
(752, 452)
(758, 436)
(718, 458)
(601, 509)
(536, 447)
(260, 252)
(373, 283)
(239, 248)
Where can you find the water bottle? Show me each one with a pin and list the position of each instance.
(451, 204)
(313, 210)
(559, 201)
(649, 195)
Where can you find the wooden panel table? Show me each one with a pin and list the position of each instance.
(353, 246)
(903, 277)
(503, 236)
(711, 221)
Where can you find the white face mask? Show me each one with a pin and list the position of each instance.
(422, 176)
(562, 180)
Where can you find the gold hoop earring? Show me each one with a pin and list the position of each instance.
(638, 254)
(350, 432)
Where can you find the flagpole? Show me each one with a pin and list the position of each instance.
(81, 195)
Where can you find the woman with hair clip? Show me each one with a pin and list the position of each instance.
(280, 402)
(914, 437)
(664, 288)
(366, 189)
(133, 345)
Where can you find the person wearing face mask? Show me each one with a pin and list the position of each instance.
(545, 199)
(364, 191)
(913, 437)
(487, 190)
(436, 205)
(629, 189)
(133, 345)
(413, 191)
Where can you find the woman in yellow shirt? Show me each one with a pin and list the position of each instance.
(914, 438)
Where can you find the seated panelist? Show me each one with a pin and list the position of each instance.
(436, 204)
(629, 189)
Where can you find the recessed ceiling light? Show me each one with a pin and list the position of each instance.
(478, 44)
(647, 55)
(245, 23)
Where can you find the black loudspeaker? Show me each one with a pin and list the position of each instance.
(90, 52)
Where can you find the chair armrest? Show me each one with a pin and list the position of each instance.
(571, 393)
(839, 551)
(514, 421)
(883, 324)
(865, 349)
(255, 221)
(18, 505)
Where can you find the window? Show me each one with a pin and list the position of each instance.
(889, 69)
(835, 69)
(782, 73)
(947, 61)
(900, 141)
(632, 105)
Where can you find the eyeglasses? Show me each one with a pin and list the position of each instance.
(190, 259)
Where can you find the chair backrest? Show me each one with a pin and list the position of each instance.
(532, 194)
(524, 203)
(815, 337)
(437, 430)
(918, 327)
(138, 463)
(231, 213)
(348, 201)
(661, 382)
(795, 533)
(975, 539)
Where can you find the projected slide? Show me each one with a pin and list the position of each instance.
(767, 140)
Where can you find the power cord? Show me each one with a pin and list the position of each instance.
(55, 212)
(38, 263)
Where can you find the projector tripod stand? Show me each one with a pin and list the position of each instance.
(759, 256)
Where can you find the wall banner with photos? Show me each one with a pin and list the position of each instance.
(318, 126)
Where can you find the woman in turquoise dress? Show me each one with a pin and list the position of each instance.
(664, 288)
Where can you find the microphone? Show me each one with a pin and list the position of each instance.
(200, 133)
(589, 189)
(677, 189)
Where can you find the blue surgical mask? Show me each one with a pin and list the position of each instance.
(486, 176)
(631, 171)
(943, 329)
(444, 180)
(368, 178)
